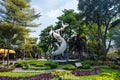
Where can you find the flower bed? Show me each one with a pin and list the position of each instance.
(46, 76)
(84, 73)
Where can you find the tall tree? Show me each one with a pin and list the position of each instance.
(45, 40)
(16, 15)
(102, 13)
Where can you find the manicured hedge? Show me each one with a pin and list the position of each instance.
(69, 67)
(36, 64)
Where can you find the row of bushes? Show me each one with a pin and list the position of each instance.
(36, 64)
(72, 67)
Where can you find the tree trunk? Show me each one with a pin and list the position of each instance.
(8, 44)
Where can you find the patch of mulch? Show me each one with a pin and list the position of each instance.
(88, 72)
(5, 69)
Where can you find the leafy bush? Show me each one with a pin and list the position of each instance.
(69, 77)
(89, 62)
(104, 78)
(64, 75)
(87, 66)
(52, 64)
(114, 66)
(58, 73)
(69, 67)
(36, 64)
(108, 76)
(19, 64)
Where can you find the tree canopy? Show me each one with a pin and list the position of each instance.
(102, 13)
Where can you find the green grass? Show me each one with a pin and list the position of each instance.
(104, 70)
(18, 74)
(36, 64)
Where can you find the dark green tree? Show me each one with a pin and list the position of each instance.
(45, 40)
(102, 13)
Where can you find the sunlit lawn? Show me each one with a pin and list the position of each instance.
(18, 74)
(104, 70)
(92, 77)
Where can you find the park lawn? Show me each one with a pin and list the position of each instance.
(104, 70)
(19, 74)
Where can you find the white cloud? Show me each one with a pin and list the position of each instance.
(70, 5)
(57, 12)
(54, 13)
(50, 10)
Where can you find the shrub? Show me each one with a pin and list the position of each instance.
(69, 67)
(114, 66)
(87, 66)
(64, 75)
(104, 78)
(108, 76)
(19, 64)
(69, 77)
(39, 64)
(52, 64)
(89, 62)
(58, 73)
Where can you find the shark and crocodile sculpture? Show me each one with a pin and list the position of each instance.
(63, 45)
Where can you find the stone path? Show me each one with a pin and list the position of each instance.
(21, 70)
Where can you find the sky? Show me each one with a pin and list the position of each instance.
(50, 10)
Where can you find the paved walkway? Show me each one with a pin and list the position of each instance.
(21, 70)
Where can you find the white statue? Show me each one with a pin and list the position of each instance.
(56, 34)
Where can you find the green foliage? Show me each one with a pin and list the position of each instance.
(86, 66)
(69, 67)
(64, 75)
(18, 64)
(61, 73)
(45, 40)
(109, 76)
(102, 14)
(36, 64)
(16, 15)
(52, 64)
(18, 74)
(69, 77)
(90, 62)
(116, 38)
(114, 66)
